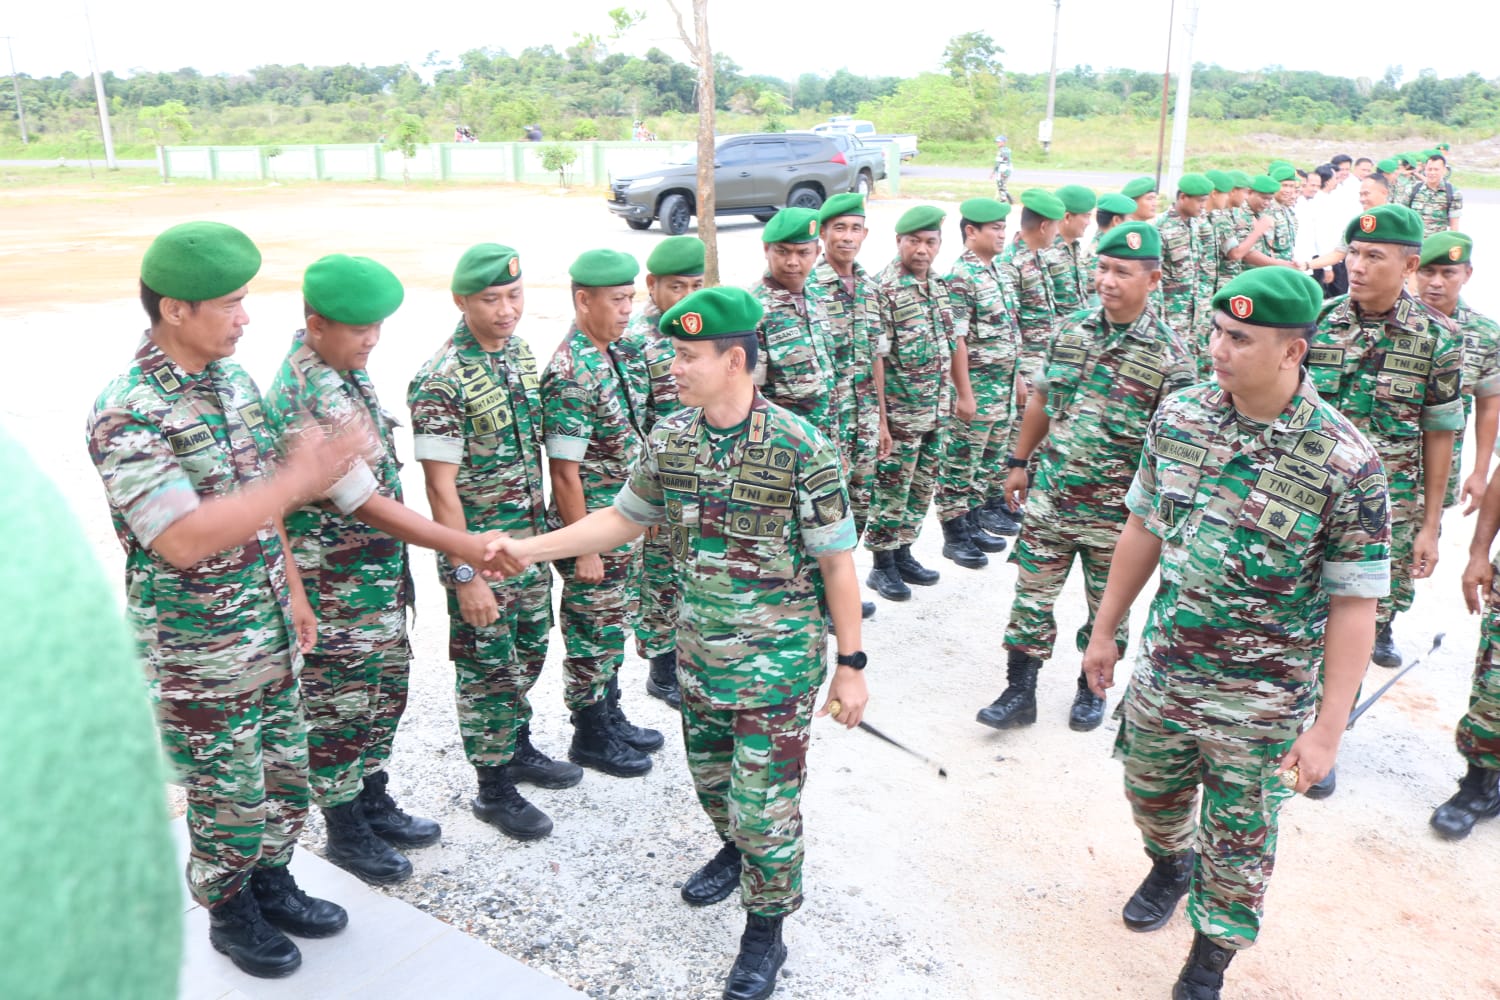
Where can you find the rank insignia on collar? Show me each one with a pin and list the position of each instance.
(1241, 306)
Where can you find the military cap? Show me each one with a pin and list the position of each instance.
(353, 290)
(484, 265)
(712, 313)
(1077, 199)
(1441, 147)
(1240, 178)
(1388, 166)
(1138, 187)
(1410, 159)
(791, 225)
(676, 255)
(1131, 241)
(1194, 185)
(848, 203)
(198, 261)
(1282, 172)
(1428, 154)
(1117, 204)
(604, 269)
(1271, 296)
(982, 210)
(1220, 179)
(1446, 248)
(923, 217)
(1043, 203)
(1386, 224)
(1271, 167)
(1264, 185)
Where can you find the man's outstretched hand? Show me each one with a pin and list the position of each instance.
(504, 556)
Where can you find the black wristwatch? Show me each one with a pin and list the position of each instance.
(1012, 462)
(855, 660)
(462, 573)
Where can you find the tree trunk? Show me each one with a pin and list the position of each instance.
(708, 230)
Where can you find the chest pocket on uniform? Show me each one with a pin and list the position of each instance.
(913, 347)
(1134, 388)
(1398, 400)
(1176, 488)
(1325, 366)
(1277, 524)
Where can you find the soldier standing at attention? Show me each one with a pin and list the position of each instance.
(1220, 228)
(1435, 198)
(477, 430)
(218, 611)
(1142, 191)
(593, 416)
(1023, 264)
(674, 269)
(1265, 511)
(1182, 263)
(1107, 372)
(1068, 263)
(1113, 209)
(1253, 227)
(916, 347)
(756, 508)
(1283, 238)
(1001, 173)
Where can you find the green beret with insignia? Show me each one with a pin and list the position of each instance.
(604, 269)
(1446, 248)
(791, 225)
(676, 255)
(1386, 224)
(357, 291)
(712, 313)
(1220, 179)
(1271, 296)
(923, 217)
(1043, 203)
(1194, 185)
(1131, 241)
(1282, 172)
(198, 261)
(1077, 199)
(1264, 185)
(1138, 187)
(1240, 178)
(1388, 166)
(483, 266)
(848, 203)
(982, 210)
(1117, 204)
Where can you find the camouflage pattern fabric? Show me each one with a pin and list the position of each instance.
(855, 330)
(1260, 524)
(656, 634)
(1225, 235)
(1037, 312)
(1435, 207)
(795, 368)
(1203, 292)
(1394, 376)
(1068, 267)
(1481, 379)
(1181, 268)
(658, 354)
(1478, 733)
(1401, 188)
(1002, 174)
(1281, 239)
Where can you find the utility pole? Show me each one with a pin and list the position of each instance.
(1184, 96)
(1166, 85)
(109, 142)
(16, 82)
(1044, 130)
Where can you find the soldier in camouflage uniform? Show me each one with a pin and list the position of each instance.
(1001, 172)
(1254, 227)
(220, 615)
(1282, 239)
(477, 430)
(753, 500)
(1142, 191)
(916, 349)
(1214, 225)
(1406, 179)
(674, 269)
(1068, 263)
(1394, 368)
(594, 416)
(1227, 224)
(1106, 374)
(1435, 199)
(1182, 265)
(1113, 209)
(1266, 513)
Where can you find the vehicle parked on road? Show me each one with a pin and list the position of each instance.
(867, 159)
(905, 142)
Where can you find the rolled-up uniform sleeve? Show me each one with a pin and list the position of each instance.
(823, 516)
(640, 500)
(1357, 559)
(141, 473)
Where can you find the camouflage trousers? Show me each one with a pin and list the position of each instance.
(656, 634)
(858, 449)
(1478, 734)
(242, 760)
(748, 767)
(1044, 555)
(1403, 541)
(595, 618)
(964, 480)
(904, 483)
(1232, 826)
(1001, 192)
(496, 666)
(1455, 471)
(352, 702)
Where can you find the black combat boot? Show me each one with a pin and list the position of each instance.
(500, 804)
(1386, 654)
(1016, 705)
(354, 847)
(912, 571)
(958, 547)
(530, 765)
(1202, 976)
(237, 928)
(596, 744)
(1156, 899)
(387, 819)
(884, 579)
(661, 682)
(1088, 708)
(983, 540)
(286, 907)
(644, 740)
(1478, 797)
(1326, 787)
(715, 880)
(996, 517)
(761, 956)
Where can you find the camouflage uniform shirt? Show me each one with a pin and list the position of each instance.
(1436, 208)
(984, 315)
(1180, 268)
(855, 331)
(916, 341)
(593, 413)
(796, 368)
(658, 354)
(1068, 270)
(1037, 313)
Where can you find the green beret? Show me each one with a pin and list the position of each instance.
(923, 217)
(1220, 179)
(1388, 166)
(1264, 185)
(1410, 159)
(1442, 147)
(1194, 185)
(1138, 187)
(1282, 172)
(483, 266)
(1131, 241)
(1446, 248)
(1240, 178)
(1386, 224)
(711, 313)
(1271, 167)
(353, 290)
(1271, 296)
(1117, 204)
(848, 203)
(1043, 203)
(791, 225)
(1077, 199)
(604, 269)
(982, 210)
(1428, 154)
(676, 255)
(198, 261)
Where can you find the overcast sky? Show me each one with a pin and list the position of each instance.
(785, 39)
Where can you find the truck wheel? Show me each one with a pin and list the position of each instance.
(675, 214)
(865, 185)
(764, 216)
(804, 197)
(638, 223)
